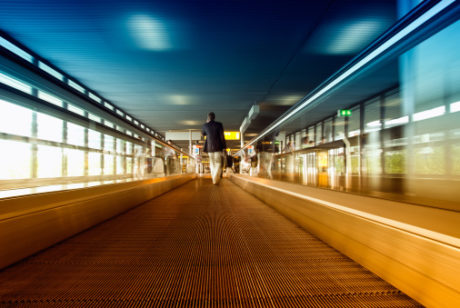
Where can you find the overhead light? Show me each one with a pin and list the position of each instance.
(347, 36)
(253, 112)
(428, 114)
(180, 100)
(398, 121)
(149, 33)
(190, 122)
(455, 107)
(374, 124)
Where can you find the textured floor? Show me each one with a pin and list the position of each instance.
(198, 246)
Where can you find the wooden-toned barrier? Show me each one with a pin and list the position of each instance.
(415, 248)
(31, 223)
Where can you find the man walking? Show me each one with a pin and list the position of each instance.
(214, 146)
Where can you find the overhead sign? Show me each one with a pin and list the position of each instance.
(343, 112)
(232, 135)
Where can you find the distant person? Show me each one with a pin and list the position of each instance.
(214, 145)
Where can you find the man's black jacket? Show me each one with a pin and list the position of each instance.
(215, 140)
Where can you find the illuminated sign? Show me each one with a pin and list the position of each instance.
(232, 135)
(196, 149)
(343, 112)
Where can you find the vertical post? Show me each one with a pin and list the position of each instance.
(180, 160)
(333, 128)
(407, 63)
(64, 140)
(102, 150)
(189, 143)
(34, 156)
(361, 145)
(347, 157)
(86, 163)
(114, 155)
(382, 120)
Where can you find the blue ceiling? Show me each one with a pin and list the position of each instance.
(170, 62)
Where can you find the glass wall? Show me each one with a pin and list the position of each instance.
(401, 143)
(37, 146)
(48, 140)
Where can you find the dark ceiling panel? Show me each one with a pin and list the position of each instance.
(170, 62)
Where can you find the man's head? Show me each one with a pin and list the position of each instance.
(211, 116)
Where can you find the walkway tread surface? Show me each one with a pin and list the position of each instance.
(197, 246)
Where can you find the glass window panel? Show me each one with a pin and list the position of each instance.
(393, 109)
(339, 128)
(94, 163)
(328, 130)
(354, 153)
(436, 64)
(75, 109)
(75, 162)
(49, 161)
(372, 116)
(303, 138)
(297, 140)
(120, 165)
(129, 165)
(109, 124)
(95, 97)
(15, 160)
(430, 159)
(50, 98)
(75, 134)
(49, 128)
(318, 134)
(153, 148)
(354, 122)
(108, 164)
(15, 49)
(109, 106)
(337, 160)
(395, 161)
(50, 70)
(109, 143)
(311, 136)
(94, 118)
(455, 159)
(94, 139)
(129, 148)
(15, 119)
(120, 145)
(119, 112)
(138, 150)
(76, 86)
(372, 163)
(14, 83)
